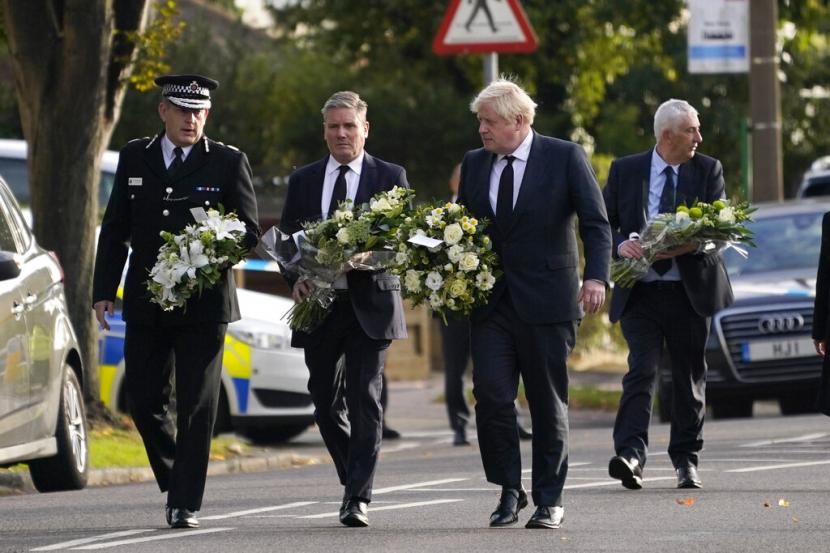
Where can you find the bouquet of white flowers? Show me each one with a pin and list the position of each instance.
(361, 238)
(445, 259)
(195, 258)
(716, 225)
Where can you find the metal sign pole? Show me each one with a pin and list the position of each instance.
(491, 67)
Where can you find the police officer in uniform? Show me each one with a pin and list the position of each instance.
(159, 183)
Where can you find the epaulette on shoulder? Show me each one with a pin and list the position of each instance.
(234, 148)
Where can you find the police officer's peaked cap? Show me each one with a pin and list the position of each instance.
(187, 91)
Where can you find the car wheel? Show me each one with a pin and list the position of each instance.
(273, 434)
(69, 468)
(732, 409)
(797, 404)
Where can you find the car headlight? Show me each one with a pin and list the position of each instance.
(261, 338)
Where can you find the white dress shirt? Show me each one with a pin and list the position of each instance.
(656, 182)
(167, 151)
(352, 181)
(519, 164)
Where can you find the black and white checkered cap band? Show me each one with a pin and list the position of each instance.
(191, 96)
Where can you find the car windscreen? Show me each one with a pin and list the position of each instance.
(783, 242)
(816, 186)
(16, 174)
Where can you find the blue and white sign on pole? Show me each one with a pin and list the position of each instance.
(718, 36)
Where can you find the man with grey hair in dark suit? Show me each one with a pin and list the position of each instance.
(366, 314)
(532, 188)
(672, 304)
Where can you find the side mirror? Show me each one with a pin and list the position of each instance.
(9, 268)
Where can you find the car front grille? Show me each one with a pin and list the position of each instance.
(278, 398)
(736, 327)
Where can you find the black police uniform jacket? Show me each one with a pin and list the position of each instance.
(146, 200)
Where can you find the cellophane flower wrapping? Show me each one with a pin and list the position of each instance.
(715, 226)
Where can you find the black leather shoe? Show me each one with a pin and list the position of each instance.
(168, 515)
(460, 437)
(507, 512)
(627, 470)
(546, 517)
(687, 477)
(390, 434)
(183, 518)
(524, 434)
(355, 514)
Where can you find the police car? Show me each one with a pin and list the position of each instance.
(264, 391)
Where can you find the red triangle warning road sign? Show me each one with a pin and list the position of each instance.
(474, 26)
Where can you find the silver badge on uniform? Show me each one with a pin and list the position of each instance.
(134, 181)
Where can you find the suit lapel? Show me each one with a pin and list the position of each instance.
(368, 180)
(688, 189)
(642, 185)
(533, 178)
(315, 188)
(154, 158)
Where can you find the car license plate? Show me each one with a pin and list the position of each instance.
(777, 349)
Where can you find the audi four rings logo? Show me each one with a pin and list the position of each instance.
(780, 322)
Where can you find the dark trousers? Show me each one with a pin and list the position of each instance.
(353, 441)
(178, 456)
(455, 345)
(505, 347)
(658, 314)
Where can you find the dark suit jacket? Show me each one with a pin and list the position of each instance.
(538, 253)
(375, 296)
(212, 174)
(626, 198)
(821, 311)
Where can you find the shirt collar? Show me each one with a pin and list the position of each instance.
(167, 146)
(522, 152)
(355, 165)
(658, 164)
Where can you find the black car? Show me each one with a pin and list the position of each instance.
(761, 347)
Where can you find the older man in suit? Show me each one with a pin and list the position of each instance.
(159, 183)
(672, 305)
(531, 187)
(367, 313)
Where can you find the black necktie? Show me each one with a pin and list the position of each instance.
(177, 160)
(339, 193)
(667, 198)
(504, 202)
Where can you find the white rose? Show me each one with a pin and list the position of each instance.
(458, 287)
(453, 233)
(412, 280)
(401, 258)
(453, 208)
(726, 215)
(343, 236)
(434, 280)
(468, 262)
(485, 280)
(343, 216)
(435, 301)
(454, 253)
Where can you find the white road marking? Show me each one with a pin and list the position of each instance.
(795, 439)
(402, 446)
(418, 485)
(612, 483)
(391, 507)
(166, 536)
(784, 466)
(260, 510)
(82, 541)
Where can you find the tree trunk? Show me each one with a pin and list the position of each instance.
(69, 77)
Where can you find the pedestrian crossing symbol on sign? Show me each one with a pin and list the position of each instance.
(472, 26)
